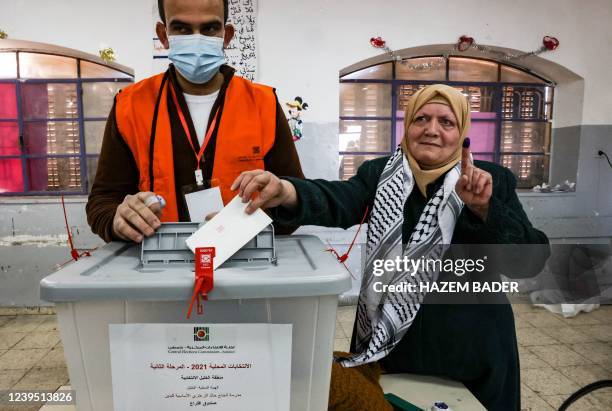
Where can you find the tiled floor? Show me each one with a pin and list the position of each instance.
(558, 355)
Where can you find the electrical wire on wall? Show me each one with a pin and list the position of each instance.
(603, 153)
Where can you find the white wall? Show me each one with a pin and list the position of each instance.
(304, 44)
(124, 25)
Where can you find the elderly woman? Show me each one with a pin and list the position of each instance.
(428, 195)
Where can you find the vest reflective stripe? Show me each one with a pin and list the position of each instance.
(246, 133)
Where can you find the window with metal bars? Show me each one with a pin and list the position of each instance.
(511, 111)
(53, 111)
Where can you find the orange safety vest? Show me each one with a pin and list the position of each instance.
(246, 132)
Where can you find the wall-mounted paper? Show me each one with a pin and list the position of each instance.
(242, 51)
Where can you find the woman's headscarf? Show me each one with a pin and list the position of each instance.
(442, 94)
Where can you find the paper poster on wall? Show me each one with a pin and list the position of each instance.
(221, 367)
(242, 51)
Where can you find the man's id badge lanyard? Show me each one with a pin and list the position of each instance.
(199, 176)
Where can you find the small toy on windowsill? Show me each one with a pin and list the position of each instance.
(564, 187)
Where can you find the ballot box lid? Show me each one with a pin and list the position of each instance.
(114, 272)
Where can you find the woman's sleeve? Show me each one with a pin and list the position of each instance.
(506, 222)
(520, 249)
(332, 203)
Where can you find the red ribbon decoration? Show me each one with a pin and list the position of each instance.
(204, 278)
(550, 43)
(378, 42)
(464, 43)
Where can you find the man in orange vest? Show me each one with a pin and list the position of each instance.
(177, 132)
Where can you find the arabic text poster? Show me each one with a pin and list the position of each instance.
(219, 367)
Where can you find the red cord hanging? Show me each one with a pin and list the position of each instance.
(342, 258)
(74, 253)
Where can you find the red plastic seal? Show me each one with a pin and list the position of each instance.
(204, 277)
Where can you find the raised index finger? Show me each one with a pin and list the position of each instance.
(465, 155)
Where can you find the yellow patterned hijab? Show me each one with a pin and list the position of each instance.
(442, 94)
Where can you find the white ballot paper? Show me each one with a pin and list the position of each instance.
(202, 203)
(229, 230)
(221, 367)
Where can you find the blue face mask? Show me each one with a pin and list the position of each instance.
(196, 57)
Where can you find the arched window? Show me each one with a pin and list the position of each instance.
(53, 108)
(511, 111)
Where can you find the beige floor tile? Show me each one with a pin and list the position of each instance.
(342, 344)
(37, 310)
(346, 313)
(23, 324)
(54, 359)
(526, 392)
(55, 407)
(528, 359)
(597, 352)
(533, 336)
(559, 355)
(8, 378)
(43, 379)
(605, 397)
(22, 359)
(524, 308)
(9, 339)
(521, 322)
(568, 335)
(535, 403)
(607, 366)
(603, 314)
(542, 319)
(348, 328)
(555, 400)
(6, 318)
(38, 339)
(339, 332)
(50, 324)
(20, 407)
(548, 381)
(602, 332)
(586, 403)
(585, 374)
(581, 319)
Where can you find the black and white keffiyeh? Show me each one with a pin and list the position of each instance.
(383, 318)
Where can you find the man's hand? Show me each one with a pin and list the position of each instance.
(264, 190)
(134, 218)
(475, 186)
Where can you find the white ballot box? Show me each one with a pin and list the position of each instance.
(112, 287)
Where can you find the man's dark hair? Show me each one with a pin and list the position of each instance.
(162, 13)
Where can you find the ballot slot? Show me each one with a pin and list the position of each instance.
(167, 247)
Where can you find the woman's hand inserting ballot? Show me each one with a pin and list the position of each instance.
(262, 189)
(138, 216)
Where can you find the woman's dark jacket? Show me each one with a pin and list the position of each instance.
(513, 247)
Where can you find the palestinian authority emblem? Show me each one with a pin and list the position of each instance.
(201, 334)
